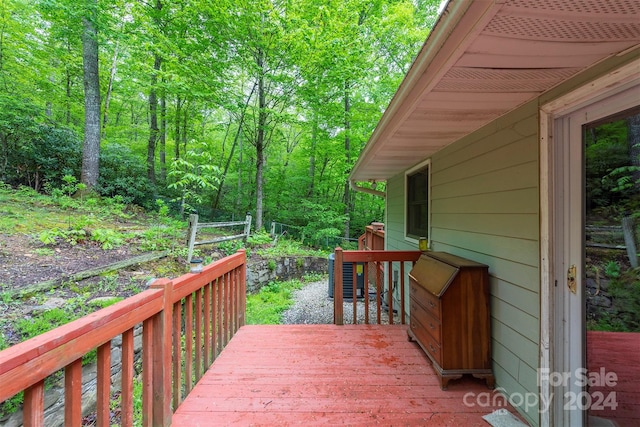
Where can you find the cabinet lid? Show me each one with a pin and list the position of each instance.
(433, 274)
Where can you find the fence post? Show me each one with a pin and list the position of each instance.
(162, 354)
(247, 227)
(193, 227)
(338, 315)
(629, 240)
(273, 229)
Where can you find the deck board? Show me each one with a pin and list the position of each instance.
(619, 353)
(325, 375)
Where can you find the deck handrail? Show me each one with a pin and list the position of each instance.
(372, 238)
(218, 296)
(381, 261)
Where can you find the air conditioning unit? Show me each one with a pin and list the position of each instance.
(347, 278)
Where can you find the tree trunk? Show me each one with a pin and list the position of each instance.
(233, 146)
(163, 137)
(633, 142)
(260, 140)
(185, 116)
(176, 155)
(312, 155)
(347, 149)
(107, 98)
(91, 146)
(68, 89)
(153, 106)
(153, 121)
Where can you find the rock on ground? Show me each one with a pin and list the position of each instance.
(312, 305)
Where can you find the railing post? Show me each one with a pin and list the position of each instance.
(162, 369)
(242, 304)
(247, 226)
(193, 227)
(338, 315)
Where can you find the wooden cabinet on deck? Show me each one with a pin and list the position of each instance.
(450, 315)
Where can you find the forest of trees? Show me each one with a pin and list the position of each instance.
(225, 107)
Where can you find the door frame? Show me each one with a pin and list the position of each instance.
(555, 117)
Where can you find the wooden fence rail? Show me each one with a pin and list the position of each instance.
(201, 310)
(194, 226)
(380, 262)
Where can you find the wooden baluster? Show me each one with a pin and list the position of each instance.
(188, 338)
(402, 291)
(33, 407)
(354, 293)
(338, 315)
(127, 373)
(147, 370)
(73, 394)
(177, 353)
(379, 288)
(207, 326)
(103, 411)
(198, 332)
(390, 291)
(366, 292)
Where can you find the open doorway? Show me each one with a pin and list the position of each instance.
(590, 340)
(611, 148)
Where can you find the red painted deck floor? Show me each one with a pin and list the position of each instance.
(327, 375)
(615, 353)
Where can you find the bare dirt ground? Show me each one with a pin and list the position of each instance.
(25, 262)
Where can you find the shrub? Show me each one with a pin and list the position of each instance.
(123, 174)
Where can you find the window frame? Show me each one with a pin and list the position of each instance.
(419, 168)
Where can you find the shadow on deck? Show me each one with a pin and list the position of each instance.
(326, 375)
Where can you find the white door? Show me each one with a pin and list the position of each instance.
(568, 354)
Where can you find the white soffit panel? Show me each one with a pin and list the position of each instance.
(523, 50)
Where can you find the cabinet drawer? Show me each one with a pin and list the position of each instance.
(426, 299)
(430, 323)
(428, 343)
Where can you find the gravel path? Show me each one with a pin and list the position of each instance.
(312, 305)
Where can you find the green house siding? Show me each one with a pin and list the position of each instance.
(484, 206)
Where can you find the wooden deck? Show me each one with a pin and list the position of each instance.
(619, 353)
(326, 375)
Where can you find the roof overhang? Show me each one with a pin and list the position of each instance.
(483, 59)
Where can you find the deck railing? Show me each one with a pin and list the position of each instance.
(391, 263)
(373, 237)
(185, 324)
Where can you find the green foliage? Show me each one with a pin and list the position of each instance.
(612, 269)
(230, 247)
(625, 291)
(72, 236)
(608, 169)
(123, 174)
(102, 303)
(289, 247)
(259, 238)
(36, 154)
(43, 322)
(194, 175)
(108, 238)
(266, 306)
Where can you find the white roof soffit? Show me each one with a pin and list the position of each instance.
(484, 58)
